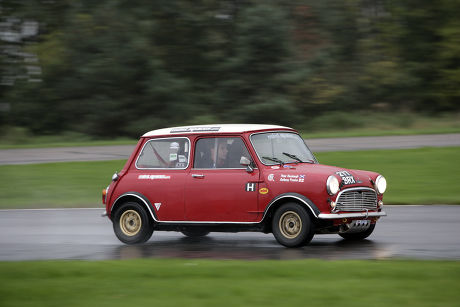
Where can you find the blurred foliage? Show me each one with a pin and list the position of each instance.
(110, 68)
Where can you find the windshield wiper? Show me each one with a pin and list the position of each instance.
(297, 158)
(292, 156)
(274, 160)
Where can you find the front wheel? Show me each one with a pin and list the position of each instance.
(131, 223)
(292, 225)
(358, 235)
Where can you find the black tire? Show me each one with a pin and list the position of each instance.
(358, 235)
(195, 232)
(132, 224)
(292, 225)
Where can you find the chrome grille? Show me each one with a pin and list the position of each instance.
(357, 200)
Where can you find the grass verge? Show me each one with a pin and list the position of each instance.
(16, 137)
(230, 283)
(72, 184)
(415, 176)
(331, 124)
(349, 124)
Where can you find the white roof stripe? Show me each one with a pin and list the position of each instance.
(218, 128)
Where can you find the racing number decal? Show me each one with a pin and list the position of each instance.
(347, 178)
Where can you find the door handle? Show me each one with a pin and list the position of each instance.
(199, 176)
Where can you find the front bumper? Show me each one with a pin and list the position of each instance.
(333, 216)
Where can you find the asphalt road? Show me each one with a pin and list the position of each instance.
(415, 232)
(98, 153)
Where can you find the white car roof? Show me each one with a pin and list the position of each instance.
(218, 128)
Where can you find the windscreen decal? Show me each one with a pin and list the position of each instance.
(195, 129)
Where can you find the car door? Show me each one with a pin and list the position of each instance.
(218, 188)
(160, 174)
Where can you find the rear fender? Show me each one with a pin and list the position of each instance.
(136, 197)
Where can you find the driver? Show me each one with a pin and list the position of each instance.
(209, 157)
(219, 158)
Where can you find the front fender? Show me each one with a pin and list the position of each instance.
(305, 201)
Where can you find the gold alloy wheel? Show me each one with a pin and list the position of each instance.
(130, 222)
(290, 224)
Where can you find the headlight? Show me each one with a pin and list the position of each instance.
(380, 184)
(332, 185)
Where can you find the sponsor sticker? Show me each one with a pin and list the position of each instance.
(173, 157)
(153, 177)
(275, 167)
(271, 177)
(263, 191)
(157, 205)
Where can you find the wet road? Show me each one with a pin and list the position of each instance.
(98, 153)
(418, 232)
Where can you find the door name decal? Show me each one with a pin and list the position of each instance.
(153, 177)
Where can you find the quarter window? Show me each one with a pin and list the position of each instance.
(165, 153)
(220, 153)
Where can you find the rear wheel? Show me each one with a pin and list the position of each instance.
(358, 235)
(292, 226)
(131, 223)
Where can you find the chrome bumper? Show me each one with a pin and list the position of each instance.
(104, 214)
(333, 216)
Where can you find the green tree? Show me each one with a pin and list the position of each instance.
(257, 74)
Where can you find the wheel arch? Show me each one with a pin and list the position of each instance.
(281, 199)
(135, 197)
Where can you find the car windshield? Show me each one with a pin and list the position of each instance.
(281, 147)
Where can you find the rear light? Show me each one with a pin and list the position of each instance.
(104, 194)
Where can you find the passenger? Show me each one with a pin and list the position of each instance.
(206, 155)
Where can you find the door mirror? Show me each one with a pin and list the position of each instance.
(246, 162)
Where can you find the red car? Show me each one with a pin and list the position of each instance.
(200, 179)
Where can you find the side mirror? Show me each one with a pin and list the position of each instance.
(246, 162)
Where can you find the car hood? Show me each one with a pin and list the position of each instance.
(349, 177)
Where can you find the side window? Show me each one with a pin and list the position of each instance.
(164, 153)
(220, 153)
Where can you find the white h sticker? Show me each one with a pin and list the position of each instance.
(157, 205)
(251, 187)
